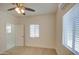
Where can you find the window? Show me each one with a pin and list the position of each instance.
(8, 28)
(71, 29)
(34, 30)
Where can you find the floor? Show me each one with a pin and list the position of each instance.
(30, 51)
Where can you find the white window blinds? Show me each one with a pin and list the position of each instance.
(71, 29)
(76, 29)
(34, 30)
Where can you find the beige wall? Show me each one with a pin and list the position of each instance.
(4, 19)
(59, 15)
(47, 30)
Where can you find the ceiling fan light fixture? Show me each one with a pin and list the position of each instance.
(17, 10)
(22, 10)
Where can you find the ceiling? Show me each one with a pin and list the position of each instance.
(41, 8)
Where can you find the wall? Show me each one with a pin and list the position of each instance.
(47, 30)
(4, 19)
(59, 15)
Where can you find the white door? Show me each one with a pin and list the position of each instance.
(20, 35)
(10, 36)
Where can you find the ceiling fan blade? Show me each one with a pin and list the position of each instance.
(11, 9)
(29, 9)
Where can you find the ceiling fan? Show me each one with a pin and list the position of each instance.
(20, 8)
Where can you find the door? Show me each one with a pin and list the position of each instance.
(10, 36)
(20, 35)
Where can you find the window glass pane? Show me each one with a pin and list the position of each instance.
(67, 31)
(34, 30)
(37, 30)
(31, 30)
(8, 28)
(77, 34)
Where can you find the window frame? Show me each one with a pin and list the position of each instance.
(34, 33)
(73, 36)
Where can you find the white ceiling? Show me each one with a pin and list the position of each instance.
(41, 8)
